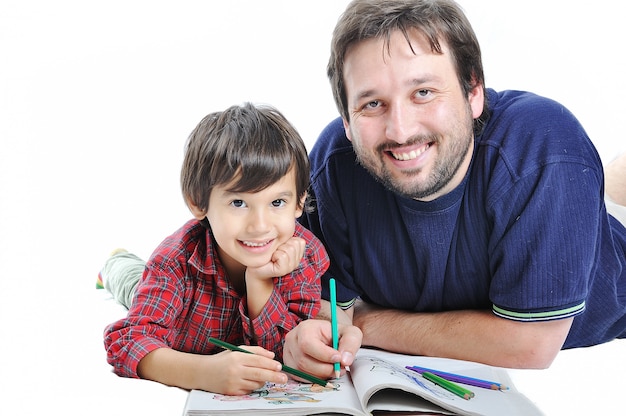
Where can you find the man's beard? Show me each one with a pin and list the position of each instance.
(445, 168)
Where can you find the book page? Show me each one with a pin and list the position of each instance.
(291, 399)
(374, 372)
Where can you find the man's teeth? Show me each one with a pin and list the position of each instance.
(410, 155)
(251, 244)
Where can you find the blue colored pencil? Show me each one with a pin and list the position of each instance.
(470, 381)
(333, 321)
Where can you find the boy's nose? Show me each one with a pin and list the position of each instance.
(258, 221)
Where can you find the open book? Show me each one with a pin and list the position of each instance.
(378, 381)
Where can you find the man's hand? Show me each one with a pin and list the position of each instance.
(308, 346)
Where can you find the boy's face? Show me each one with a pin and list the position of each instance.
(248, 227)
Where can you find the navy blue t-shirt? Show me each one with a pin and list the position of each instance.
(526, 234)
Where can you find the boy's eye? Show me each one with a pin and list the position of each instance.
(278, 202)
(238, 203)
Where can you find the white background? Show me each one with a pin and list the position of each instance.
(97, 99)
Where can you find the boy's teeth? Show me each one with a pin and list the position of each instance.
(250, 244)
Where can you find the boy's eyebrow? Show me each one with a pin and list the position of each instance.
(283, 194)
(280, 194)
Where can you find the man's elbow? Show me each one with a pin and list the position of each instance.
(537, 349)
(537, 359)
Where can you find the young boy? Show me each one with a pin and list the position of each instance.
(243, 271)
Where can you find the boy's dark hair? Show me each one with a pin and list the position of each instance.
(437, 20)
(254, 145)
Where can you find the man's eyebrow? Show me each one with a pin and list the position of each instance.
(365, 94)
(425, 79)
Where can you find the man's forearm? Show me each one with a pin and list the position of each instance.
(468, 335)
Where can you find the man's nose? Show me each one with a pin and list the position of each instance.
(402, 123)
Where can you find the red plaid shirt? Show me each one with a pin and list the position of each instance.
(184, 298)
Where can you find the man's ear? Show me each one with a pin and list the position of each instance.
(476, 98)
(346, 127)
(198, 213)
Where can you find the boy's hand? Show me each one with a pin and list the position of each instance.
(259, 280)
(284, 260)
(237, 373)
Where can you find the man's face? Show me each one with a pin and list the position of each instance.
(410, 122)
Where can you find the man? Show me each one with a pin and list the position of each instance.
(461, 222)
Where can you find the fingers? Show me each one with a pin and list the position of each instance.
(258, 351)
(350, 339)
(288, 255)
(307, 347)
(241, 373)
(261, 372)
(285, 259)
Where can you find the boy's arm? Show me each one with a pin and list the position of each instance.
(228, 372)
(295, 298)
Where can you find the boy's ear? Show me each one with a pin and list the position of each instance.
(300, 207)
(198, 213)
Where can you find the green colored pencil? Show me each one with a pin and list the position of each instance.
(333, 322)
(285, 368)
(448, 385)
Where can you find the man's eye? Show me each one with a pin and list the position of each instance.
(238, 203)
(373, 104)
(422, 93)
